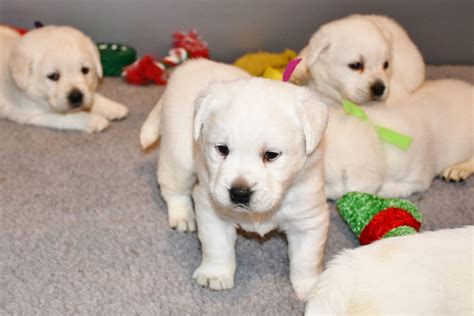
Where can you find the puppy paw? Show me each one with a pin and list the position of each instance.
(181, 217)
(216, 277)
(457, 173)
(303, 286)
(116, 111)
(97, 124)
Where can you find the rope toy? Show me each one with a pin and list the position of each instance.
(371, 217)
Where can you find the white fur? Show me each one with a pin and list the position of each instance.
(250, 116)
(372, 39)
(27, 96)
(439, 117)
(422, 274)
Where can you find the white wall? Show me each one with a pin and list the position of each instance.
(443, 29)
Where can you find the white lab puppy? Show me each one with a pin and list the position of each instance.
(363, 58)
(439, 118)
(48, 77)
(422, 274)
(257, 157)
(172, 119)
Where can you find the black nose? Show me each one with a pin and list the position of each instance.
(75, 98)
(240, 195)
(377, 89)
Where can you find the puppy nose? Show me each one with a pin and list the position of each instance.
(240, 195)
(377, 89)
(75, 98)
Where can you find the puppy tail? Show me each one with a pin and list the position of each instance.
(150, 131)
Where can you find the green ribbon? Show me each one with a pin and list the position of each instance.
(388, 135)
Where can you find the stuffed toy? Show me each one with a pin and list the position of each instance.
(115, 57)
(371, 217)
(257, 63)
(144, 71)
(148, 70)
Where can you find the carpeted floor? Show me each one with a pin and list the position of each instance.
(83, 229)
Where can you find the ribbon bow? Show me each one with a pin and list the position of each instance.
(388, 135)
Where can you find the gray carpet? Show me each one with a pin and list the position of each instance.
(83, 229)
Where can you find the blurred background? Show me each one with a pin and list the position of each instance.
(442, 29)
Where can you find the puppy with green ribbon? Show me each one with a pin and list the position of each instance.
(397, 151)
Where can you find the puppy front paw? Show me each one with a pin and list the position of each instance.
(181, 217)
(216, 277)
(303, 286)
(96, 124)
(116, 111)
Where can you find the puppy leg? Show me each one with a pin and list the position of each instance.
(217, 238)
(460, 171)
(108, 108)
(306, 249)
(83, 121)
(176, 182)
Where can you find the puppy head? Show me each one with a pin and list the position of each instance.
(350, 59)
(256, 136)
(58, 66)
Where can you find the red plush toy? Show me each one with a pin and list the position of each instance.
(192, 43)
(146, 70)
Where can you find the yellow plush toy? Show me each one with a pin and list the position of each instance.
(265, 64)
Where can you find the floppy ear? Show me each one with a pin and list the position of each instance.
(94, 51)
(317, 45)
(301, 75)
(202, 110)
(313, 116)
(20, 66)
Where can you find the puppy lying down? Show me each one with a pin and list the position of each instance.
(363, 58)
(439, 118)
(48, 77)
(422, 274)
(254, 146)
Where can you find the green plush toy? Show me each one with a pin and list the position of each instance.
(371, 217)
(115, 57)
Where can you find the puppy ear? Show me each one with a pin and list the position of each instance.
(94, 51)
(317, 45)
(313, 116)
(20, 66)
(301, 75)
(202, 110)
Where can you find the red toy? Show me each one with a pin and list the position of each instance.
(192, 43)
(146, 70)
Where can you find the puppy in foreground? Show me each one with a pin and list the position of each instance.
(422, 274)
(48, 77)
(363, 58)
(254, 146)
(439, 118)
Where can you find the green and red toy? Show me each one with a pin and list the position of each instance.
(371, 217)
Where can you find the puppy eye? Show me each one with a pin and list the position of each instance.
(356, 66)
(385, 65)
(223, 150)
(54, 76)
(269, 156)
(85, 70)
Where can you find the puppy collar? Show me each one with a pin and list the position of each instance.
(388, 135)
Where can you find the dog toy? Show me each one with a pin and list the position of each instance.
(371, 217)
(148, 70)
(192, 43)
(388, 135)
(115, 57)
(257, 63)
(144, 71)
